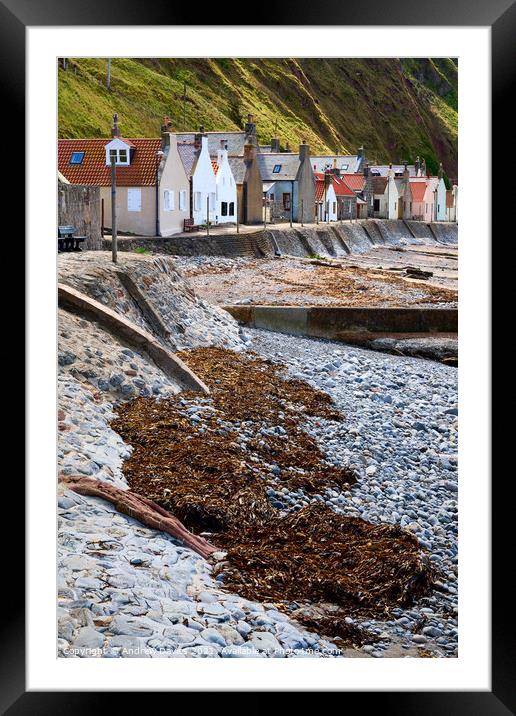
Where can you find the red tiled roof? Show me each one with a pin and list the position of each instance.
(319, 189)
(342, 188)
(93, 170)
(418, 189)
(354, 181)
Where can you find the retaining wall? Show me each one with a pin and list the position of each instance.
(334, 240)
(79, 206)
(345, 323)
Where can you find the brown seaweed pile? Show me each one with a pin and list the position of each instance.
(215, 482)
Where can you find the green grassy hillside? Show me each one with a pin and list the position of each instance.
(395, 108)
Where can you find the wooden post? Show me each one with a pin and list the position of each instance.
(264, 210)
(302, 210)
(208, 215)
(114, 246)
(102, 218)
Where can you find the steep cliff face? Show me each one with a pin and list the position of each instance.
(395, 108)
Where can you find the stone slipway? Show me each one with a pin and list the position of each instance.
(348, 324)
(117, 324)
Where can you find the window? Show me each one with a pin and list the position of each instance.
(121, 156)
(334, 208)
(76, 157)
(213, 200)
(271, 197)
(134, 199)
(231, 208)
(169, 200)
(182, 200)
(277, 169)
(377, 204)
(344, 166)
(197, 201)
(224, 208)
(286, 201)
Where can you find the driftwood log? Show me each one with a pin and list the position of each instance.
(145, 511)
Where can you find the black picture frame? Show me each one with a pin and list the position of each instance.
(500, 16)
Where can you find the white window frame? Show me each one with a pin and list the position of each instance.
(169, 200)
(134, 199)
(118, 161)
(197, 200)
(182, 200)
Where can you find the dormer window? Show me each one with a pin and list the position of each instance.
(121, 156)
(277, 169)
(119, 151)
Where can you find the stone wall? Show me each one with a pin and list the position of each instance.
(79, 206)
(333, 239)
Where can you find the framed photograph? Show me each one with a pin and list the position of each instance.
(250, 437)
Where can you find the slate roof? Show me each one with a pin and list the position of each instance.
(92, 171)
(235, 141)
(383, 170)
(289, 163)
(188, 155)
(320, 163)
(379, 184)
(238, 168)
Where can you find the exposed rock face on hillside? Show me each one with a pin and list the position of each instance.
(396, 108)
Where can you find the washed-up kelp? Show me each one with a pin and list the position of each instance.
(212, 471)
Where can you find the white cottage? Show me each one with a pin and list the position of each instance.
(226, 188)
(203, 186)
(325, 197)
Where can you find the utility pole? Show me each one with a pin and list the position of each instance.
(184, 106)
(114, 246)
(291, 204)
(159, 155)
(109, 74)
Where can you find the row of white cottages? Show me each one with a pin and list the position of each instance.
(160, 182)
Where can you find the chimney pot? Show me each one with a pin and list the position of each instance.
(115, 130)
(275, 144)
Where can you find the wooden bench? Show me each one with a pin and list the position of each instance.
(189, 225)
(67, 241)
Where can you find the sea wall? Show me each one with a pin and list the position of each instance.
(334, 240)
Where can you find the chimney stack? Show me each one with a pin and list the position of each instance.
(360, 152)
(304, 151)
(417, 166)
(275, 144)
(249, 152)
(115, 129)
(440, 173)
(198, 137)
(423, 168)
(250, 129)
